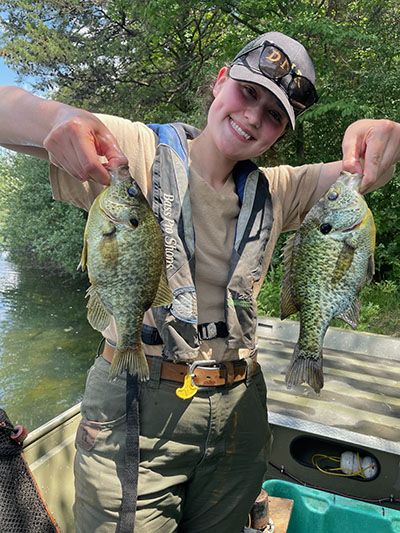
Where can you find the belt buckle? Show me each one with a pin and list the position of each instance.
(189, 388)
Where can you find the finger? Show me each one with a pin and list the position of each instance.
(81, 159)
(77, 144)
(99, 145)
(381, 151)
(66, 165)
(68, 160)
(89, 166)
(352, 154)
(373, 161)
(107, 146)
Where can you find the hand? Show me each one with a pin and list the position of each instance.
(371, 147)
(75, 142)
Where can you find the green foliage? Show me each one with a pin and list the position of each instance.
(36, 229)
(385, 205)
(146, 60)
(270, 293)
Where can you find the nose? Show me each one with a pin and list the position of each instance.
(253, 115)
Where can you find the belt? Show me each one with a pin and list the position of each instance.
(217, 374)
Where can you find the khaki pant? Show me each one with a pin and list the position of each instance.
(202, 461)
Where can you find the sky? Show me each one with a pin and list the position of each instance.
(9, 77)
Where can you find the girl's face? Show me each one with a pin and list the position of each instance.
(244, 119)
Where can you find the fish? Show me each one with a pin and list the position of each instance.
(326, 264)
(123, 250)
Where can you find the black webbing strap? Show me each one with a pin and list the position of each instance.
(206, 330)
(130, 484)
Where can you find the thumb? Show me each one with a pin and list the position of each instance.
(352, 154)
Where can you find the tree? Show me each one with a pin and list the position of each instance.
(37, 230)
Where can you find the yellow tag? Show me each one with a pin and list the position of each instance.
(188, 390)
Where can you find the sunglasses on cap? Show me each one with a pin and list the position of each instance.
(275, 64)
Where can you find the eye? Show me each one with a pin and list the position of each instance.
(251, 91)
(134, 222)
(275, 115)
(333, 195)
(325, 228)
(132, 192)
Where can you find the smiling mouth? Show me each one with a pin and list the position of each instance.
(239, 130)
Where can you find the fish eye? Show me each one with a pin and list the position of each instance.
(333, 195)
(132, 192)
(134, 222)
(325, 228)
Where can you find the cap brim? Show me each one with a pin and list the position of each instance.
(242, 73)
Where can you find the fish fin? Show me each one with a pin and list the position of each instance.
(164, 294)
(288, 307)
(343, 262)
(83, 261)
(98, 316)
(305, 369)
(130, 359)
(370, 269)
(352, 314)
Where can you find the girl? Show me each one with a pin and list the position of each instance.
(203, 458)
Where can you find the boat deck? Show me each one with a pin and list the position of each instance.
(358, 406)
(360, 400)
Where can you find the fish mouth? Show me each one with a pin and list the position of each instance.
(351, 180)
(356, 225)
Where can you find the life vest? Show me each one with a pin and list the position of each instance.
(177, 323)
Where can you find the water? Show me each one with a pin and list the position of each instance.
(46, 344)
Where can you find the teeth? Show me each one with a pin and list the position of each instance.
(239, 130)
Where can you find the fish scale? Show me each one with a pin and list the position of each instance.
(326, 264)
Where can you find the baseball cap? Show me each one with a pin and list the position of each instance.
(245, 67)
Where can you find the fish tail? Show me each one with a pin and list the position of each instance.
(305, 368)
(132, 360)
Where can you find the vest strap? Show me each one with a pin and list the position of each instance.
(207, 331)
(150, 335)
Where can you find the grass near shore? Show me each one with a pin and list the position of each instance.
(380, 305)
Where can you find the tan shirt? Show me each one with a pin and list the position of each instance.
(214, 218)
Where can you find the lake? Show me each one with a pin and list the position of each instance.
(46, 343)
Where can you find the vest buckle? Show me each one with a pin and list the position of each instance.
(212, 330)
